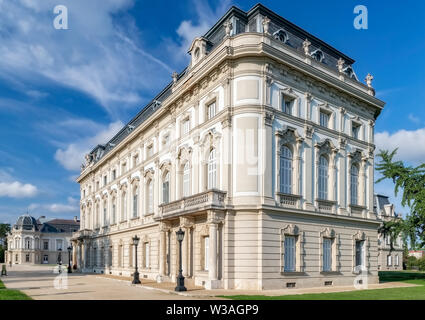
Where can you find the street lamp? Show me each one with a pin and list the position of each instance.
(136, 279)
(60, 260)
(180, 278)
(69, 259)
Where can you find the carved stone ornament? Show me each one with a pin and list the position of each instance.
(368, 80)
(340, 65)
(306, 47)
(266, 25)
(359, 235)
(174, 75)
(290, 229)
(228, 27)
(268, 118)
(289, 136)
(328, 233)
(308, 130)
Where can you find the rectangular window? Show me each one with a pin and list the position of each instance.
(104, 215)
(388, 240)
(135, 206)
(185, 126)
(389, 260)
(45, 259)
(105, 181)
(355, 130)
(146, 251)
(123, 168)
(114, 174)
(97, 185)
(324, 119)
(114, 209)
(206, 252)
(135, 161)
(149, 151)
(211, 110)
(59, 245)
(359, 253)
(289, 254)
(45, 245)
(287, 104)
(327, 254)
(396, 262)
(27, 258)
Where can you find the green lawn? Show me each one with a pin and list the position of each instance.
(8, 294)
(412, 293)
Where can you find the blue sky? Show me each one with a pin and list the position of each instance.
(64, 91)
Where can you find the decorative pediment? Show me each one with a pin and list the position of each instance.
(328, 233)
(288, 136)
(149, 173)
(165, 165)
(184, 152)
(326, 147)
(134, 179)
(356, 156)
(359, 235)
(210, 138)
(290, 229)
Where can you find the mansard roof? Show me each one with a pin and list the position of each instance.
(243, 22)
(29, 223)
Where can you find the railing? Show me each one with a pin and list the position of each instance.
(86, 233)
(326, 205)
(356, 209)
(289, 200)
(212, 198)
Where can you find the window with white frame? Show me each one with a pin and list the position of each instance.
(186, 179)
(388, 239)
(355, 130)
(211, 110)
(285, 170)
(59, 244)
(360, 253)
(149, 151)
(97, 216)
(324, 119)
(135, 160)
(287, 104)
(212, 169)
(27, 243)
(206, 252)
(389, 260)
(105, 180)
(289, 251)
(149, 205)
(123, 206)
(104, 213)
(123, 168)
(396, 260)
(166, 188)
(146, 255)
(185, 126)
(114, 211)
(135, 201)
(354, 184)
(114, 174)
(323, 177)
(327, 254)
(45, 245)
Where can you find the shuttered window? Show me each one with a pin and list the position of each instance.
(289, 254)
(285, 170)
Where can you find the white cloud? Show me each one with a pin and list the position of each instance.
(188, 30)
(17, 189)
(414, 118)
(72, 156)
(70, 206)
(98, 55)
(410, 144)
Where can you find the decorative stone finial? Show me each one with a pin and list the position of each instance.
(340, 65)
(174, 75)
(266, 24)
(306, 47)
(228, 27)
(368, 80)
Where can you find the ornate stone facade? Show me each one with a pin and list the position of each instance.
(234, 153)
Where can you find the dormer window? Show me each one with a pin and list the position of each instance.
(198, 50)
(317, 55)
(281, 35)
(196, 54)
(350, 73)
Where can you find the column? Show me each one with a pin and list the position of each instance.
(308, 168)
(156, 188)
(267, 158)
(212, 263)
(162, 252)
(185, 251)
(371, 180)
(342, 198)
(297, 168)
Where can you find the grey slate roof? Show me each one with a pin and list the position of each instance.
(244, 22)
(27, 222)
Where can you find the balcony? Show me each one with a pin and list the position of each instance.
(326, 206)
(288, 200)
(82, 234)
(211, 199)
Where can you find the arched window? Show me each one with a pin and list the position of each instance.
(166, 188)
(212, 170)
(123, 206)
(135, 201)
(27, 243)
(323, 178)
(186, 179)
(149, 205)
(285, 170)
(354, 183)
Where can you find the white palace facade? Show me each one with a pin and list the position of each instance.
(261, 150)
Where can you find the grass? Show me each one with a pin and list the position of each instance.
(411, 293)
(9, 294)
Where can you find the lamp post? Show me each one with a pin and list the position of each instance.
(60, 260)
(69, 259)
(136, 279)
(180, 278)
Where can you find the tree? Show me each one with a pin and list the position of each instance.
(411, 182)
(4, 230)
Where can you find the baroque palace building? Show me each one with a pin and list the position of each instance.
(261, 150)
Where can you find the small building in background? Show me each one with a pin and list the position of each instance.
(418, 254)
(388, 259)
(39, 241)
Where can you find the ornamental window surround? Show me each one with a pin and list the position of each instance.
(354, 184)
(325, 116)
(291, 238)
(135, 201)
(149, 196)
(317, 55)
(185, 126)
(355, 129)
(286, 160)
(325, 171)
(357, 190)
(328, 250)
(166, 187)
(281, 35)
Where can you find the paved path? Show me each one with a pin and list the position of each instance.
(38, 282)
